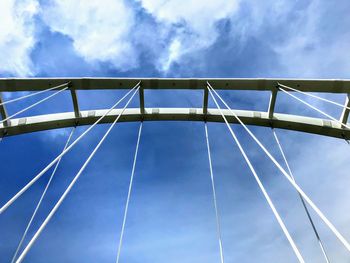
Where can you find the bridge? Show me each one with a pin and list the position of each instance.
(295, 89)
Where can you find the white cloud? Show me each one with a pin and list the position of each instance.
(106, 31)
(199, 15)
(17, 36)
(306, 45)
(172, 54)
(100, 29)
(112, 31)
(193, 22)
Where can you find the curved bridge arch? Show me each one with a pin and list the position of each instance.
(279, 120)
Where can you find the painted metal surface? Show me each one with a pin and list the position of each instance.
(267, 119)
(282, 121)
(308, 85)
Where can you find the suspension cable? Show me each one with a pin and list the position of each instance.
(59, 202)
(129, 193)
(314, 96)
(301, 198)
(262, 188)
(40, 200)
(316, 109)
(294, 184)
(33, 94)
(25, 188)
(33, 105)
(217, 216)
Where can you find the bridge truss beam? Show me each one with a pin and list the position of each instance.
(306, 85)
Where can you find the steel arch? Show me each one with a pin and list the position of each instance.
(267, 119)
(282, 121)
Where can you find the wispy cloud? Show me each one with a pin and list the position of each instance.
(17, 36)
(100, 30)
(193, 24)
(302, 38)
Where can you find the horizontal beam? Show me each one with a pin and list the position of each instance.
(307, 85)
(282, 121)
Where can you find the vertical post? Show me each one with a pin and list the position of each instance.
(345, 114)
(75, 100)
(205, 103)
(3, 112)
(142, 101)
(272, 103)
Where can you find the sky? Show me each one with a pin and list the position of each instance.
(171, 214)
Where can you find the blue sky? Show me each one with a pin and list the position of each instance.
(171, 216)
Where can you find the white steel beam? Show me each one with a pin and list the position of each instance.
(282, 121)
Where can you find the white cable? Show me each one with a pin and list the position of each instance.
(40, 200)
(314, 96)
(294, 184)
(262, 188)
(301, 199)
(129, 193)
(32, 94)
(217, 216)
(25, 188)
(316, 109)
(59, 202)
(33, 105)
